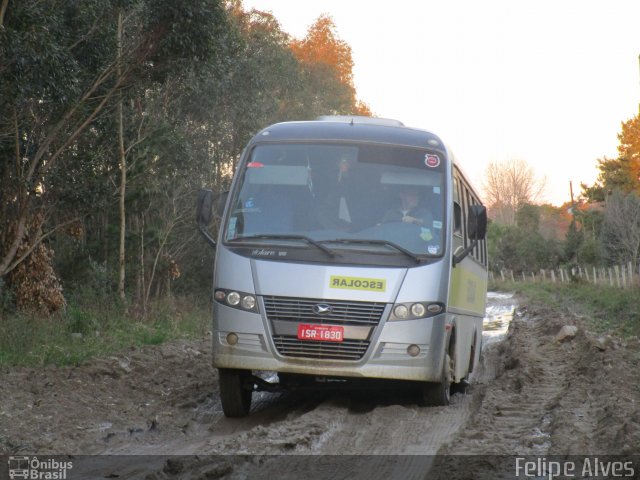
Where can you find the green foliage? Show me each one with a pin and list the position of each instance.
(85, 331)
(196, 81)
(608, 309)
(620, 233)
(528, 218)
(573, 243)
(6, 298)
(590, 252)
(513, 248)
(615, 174)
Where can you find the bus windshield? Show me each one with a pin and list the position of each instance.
(370, 197)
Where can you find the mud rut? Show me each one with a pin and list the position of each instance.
(531, 395)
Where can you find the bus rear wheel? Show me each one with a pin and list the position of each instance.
(235, 392)
(438, 394)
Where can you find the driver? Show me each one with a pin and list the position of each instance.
(408, 209)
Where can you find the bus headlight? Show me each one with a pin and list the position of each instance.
(412, 311)
(401, 311)
(418, 310)
(235, 299)
(248, 302)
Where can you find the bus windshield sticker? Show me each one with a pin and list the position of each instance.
(425, 234)
(357, 283)
(431, 160)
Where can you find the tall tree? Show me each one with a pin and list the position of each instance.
(327, 64)
(621, 228)
(59, 79)
(615, 174)
(622, 173)
(109, 137)
(122, 160)
(508, 186)
(629, 149)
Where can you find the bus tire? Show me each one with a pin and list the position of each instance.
(235, 393)
(438, 394)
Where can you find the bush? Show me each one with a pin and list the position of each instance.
(85, 330)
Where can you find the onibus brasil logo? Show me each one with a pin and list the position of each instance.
(35, 469)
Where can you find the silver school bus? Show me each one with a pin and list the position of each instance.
(349, 248)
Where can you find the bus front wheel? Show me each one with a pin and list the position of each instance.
(235, 392)
(436, 394)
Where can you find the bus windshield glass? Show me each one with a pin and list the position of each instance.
(369, 197)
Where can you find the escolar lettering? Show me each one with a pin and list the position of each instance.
(355, 283)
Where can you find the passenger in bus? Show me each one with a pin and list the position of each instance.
(334, 211)
(408, 209)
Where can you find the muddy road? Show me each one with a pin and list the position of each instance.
(533, 394)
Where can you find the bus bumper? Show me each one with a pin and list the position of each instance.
(387, 357)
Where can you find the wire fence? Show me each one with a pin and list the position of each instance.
(621, 276)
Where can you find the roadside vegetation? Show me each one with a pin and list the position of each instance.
(607, 310)
(597, 229)
(112, 116)
(97, 327)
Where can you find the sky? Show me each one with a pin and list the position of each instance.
(544, 81)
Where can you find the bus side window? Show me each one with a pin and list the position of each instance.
(457, 208)
(457, 219)
(471, 201)
(464, 203)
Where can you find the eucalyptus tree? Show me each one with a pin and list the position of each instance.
(61, 75)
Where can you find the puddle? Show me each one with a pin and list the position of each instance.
(498, 316)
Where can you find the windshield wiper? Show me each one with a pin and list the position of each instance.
(385, 243)
(268, 236)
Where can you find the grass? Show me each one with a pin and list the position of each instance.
(608, 309)
(91, 329)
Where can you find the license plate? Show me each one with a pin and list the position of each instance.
(321, 333)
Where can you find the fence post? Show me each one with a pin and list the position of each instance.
(502, 274)
(512, 279)
(595, 276)
(610, 277)
(553, 276)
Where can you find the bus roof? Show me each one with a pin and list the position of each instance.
(351, 128)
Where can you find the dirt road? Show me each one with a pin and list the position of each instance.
(532, 394)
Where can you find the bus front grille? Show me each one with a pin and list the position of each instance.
(346, 350)
(339, 312)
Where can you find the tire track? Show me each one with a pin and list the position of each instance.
(517, 407)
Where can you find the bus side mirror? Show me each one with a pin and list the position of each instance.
(204, 207)
(209, 205)
(476, 230)
(477, 222)
(204, 214)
